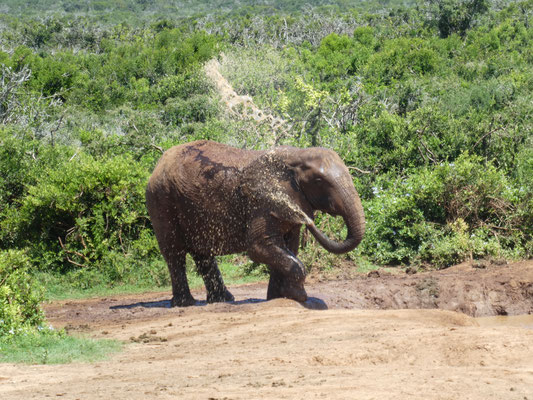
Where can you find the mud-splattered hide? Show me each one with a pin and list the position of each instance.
(209, 199)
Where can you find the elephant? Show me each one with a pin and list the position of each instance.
(209, 199)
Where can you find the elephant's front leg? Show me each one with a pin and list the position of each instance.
(287, 272)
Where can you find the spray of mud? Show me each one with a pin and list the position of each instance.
(282, 201)
(267, 180)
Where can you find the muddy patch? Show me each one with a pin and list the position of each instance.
(477, 292)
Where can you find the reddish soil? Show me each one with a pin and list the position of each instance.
(382, 336)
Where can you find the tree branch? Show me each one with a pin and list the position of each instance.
(72, 252)
(485, 135)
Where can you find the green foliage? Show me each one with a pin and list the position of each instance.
(15, 165)
(24, 335)
(443, 214)
(333, 57)
(138, 69)
(401, 57)
(456, 16)
(56, 349)
(20, 297)
(199, 108)
(83, 207)
(182, 86)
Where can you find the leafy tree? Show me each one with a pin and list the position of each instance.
(456, 16)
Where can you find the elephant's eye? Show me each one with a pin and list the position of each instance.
(318, 180)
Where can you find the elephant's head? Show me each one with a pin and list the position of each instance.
(308, 180)
(326, 185)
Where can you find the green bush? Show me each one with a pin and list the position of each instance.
(442, 215)
(400, 58)
(181, 86)
(334, 56)
(15, 165)
(198, 108)
(83, 211)
(20, 296)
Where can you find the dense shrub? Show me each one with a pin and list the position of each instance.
(20, 296)
(15, 165)
(199, 108)
(82, 211)
(442, 215)
(401, 57)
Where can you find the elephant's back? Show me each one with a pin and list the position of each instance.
(203, 159)
(209, 152)
(192, 171)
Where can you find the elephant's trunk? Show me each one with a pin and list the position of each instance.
(354, 218)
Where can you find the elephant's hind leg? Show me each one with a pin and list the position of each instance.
(181, 294)
(214, 284)
(170, 244)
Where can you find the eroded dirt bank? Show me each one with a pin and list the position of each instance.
(281, 349)
(478, 290)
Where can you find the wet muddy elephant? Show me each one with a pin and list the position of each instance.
(209, 199)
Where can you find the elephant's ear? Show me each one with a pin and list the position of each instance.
(270, 186)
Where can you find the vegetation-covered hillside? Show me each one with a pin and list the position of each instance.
(137, 11)
(429, 103)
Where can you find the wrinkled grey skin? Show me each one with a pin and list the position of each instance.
(209, 199)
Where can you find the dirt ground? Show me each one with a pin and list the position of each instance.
(382, 336)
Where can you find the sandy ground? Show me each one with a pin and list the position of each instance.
(329, 347)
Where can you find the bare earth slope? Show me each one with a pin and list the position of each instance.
(326, 348)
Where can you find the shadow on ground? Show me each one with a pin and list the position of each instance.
(312, 303)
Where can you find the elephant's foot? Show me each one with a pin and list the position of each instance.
(182, 301)
(220, 297)
(280, 287)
